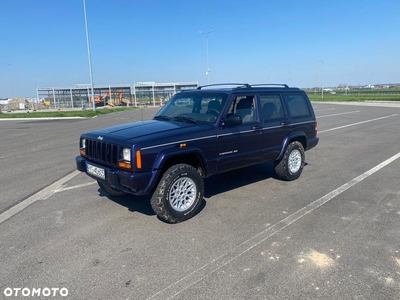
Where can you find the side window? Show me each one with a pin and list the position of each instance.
(212, 105)
(298, 105)
(272, 107)
(246, 108)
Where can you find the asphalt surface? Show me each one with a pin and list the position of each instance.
(331, 234)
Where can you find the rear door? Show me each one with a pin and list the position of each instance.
(275, 124)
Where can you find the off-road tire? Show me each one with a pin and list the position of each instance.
(179, 194)
(292, 164)
(110, 190)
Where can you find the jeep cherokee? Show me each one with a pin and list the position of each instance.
(198, 133)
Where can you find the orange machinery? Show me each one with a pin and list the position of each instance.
(101, 99)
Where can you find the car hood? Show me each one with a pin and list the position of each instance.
(146, 130)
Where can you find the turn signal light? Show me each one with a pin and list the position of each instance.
(138, 160)
(124, 164)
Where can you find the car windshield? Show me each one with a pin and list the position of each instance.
(196, 107)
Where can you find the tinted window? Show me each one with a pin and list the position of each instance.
(272, 107)
(298, 105)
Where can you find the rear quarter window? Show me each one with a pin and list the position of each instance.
(298, 105)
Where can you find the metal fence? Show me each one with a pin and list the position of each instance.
(67, 98)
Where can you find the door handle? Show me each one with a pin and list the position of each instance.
(256, 127)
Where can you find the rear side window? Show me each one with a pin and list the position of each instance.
(298, 105)
(272, 107)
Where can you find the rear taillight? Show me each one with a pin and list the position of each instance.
(316, 128)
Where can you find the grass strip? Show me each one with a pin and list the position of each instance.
(85, 113)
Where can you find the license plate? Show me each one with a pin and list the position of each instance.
(98, 172)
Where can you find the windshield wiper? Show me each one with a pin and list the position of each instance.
(164, 118)
(185, 119)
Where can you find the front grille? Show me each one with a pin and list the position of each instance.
(102, 152)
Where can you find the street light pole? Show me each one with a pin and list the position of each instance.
(9, 78)
(322, 80)
(89, 56)
(208, 67)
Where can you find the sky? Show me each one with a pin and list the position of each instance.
(307, 43)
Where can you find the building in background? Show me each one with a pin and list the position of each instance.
(139, 94)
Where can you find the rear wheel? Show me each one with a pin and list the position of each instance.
(179, 194)
(110, 190)
(292, 163)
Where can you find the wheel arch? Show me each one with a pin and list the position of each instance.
(190, 155)
(293, 137)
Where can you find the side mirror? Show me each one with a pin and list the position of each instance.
(232, 120)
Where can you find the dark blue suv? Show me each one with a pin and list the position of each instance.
(199, 133)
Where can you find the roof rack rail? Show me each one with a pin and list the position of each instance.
(271, 84)
(237, 85)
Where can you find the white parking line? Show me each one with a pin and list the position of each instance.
(338, 114)
(358, 123)
(41, 195)
(324, 109)
(62, 189)
(199, 274)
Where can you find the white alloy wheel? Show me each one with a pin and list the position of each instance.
(182, 194)
(179, 194)
(295, 160)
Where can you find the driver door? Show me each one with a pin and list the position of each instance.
(240, 145)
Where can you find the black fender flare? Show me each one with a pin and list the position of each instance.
(163, 156)
(289, 138)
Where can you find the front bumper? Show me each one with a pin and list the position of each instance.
(133, 183)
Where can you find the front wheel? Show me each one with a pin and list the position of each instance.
(179, 194)
(292, 163)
